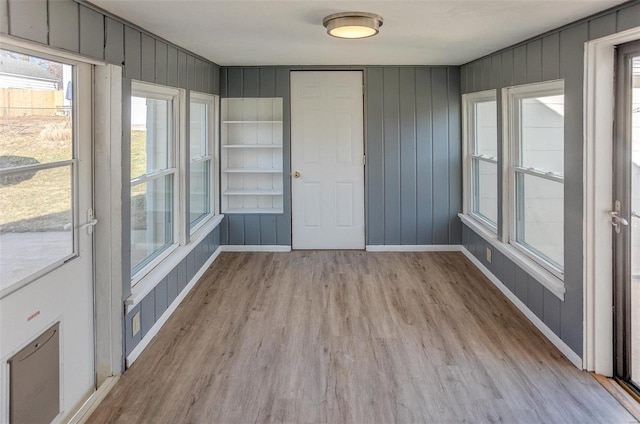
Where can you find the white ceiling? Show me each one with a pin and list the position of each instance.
(427, 32)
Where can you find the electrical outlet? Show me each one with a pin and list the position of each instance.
(135, 324)
(488, 254)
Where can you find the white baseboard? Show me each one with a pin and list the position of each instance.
(414, 248)
(83, 414)
(254, 248)
(573, 357)
(174, 305)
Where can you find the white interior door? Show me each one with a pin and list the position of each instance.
(327, 160)
(46, 260)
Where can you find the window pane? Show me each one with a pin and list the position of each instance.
(542, 133)
(151, 220)
(150, 127)
(540, 212)
(198, 130)
(35, 102)
(485, 186)
(35, 222)
(486, 131)
(200, 205)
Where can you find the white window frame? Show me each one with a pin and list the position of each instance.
(212, 102)
(511, 143)
(176, 96)
(469, 133)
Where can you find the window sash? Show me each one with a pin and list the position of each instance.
(476, 180)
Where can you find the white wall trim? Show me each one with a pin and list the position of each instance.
(414, 248)
(174, 305)
(573, 357)
(599, 100)
(254, 248)
(84, 413)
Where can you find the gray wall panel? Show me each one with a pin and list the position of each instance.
(602, 26)
(268, 230)
(28, 20)
(172, 285)
(520, 65)
(551, 57)
(191, 73)
(454, 156)
(182, 275)
(161, 298)
(424, 156)
(507, 68)
(132, 53)
(534, 61)
(252, 230)
(207, 77)
(191, 265)
(551, 311)
(391, 131)
(408, 157)
(147, 313)
(441, 181)
(375, 156)
(92, 33)
(496, 71)
(476, 68)
(131, 341)
(199, 75)
(463, 78)
(114, 41)
(4, 17)
(250, 82)
(486, 73)
(161, 65)
(148, 59)
(535, 297)
(521, 284)
(236, 229)
(64, 25)
(267, 82)
(183, 80)
(629, 18)
(172, 66)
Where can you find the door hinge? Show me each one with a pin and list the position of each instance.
(364, 160)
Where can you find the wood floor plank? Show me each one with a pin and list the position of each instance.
(352, 337)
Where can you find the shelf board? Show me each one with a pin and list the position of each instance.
(253, 210)
(252, 122)
(252, 146)
(252, 192)
(252, 171)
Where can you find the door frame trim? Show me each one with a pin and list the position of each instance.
(598, 109)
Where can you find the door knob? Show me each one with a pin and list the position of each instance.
(296, 174)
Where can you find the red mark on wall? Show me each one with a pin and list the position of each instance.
(33, 315)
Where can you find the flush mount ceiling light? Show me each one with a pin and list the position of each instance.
(352, 24)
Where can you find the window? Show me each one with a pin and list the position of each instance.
(481, 120)
(536, 172)
(202, 159)
(38, 165)
(154, 176)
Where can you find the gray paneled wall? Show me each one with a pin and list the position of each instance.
(158, 300)
(412, 143)
(557, 54)
(86, 30)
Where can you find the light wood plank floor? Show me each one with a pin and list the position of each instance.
(352, 337)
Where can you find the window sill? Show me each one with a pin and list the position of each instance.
(544, 277)
(147, 283)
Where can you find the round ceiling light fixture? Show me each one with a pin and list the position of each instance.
(352, 24)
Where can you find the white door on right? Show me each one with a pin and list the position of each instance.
(327, 160)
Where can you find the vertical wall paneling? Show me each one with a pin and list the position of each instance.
(375, 156)
(161, 65)
(114, 41)
(4, 16)
(132, 53)
(476, 69)
(520, 65)
(29, 20)
(534, 61)
(551, 311)
(535, 297)
(92, 33)
(441, 181)
(250, 82)
(486, 73)
(602, 26)
(172, 66)
(207, 78)
(391, 131)
(496, 71)
(191, 73)
(183, 80)
(161, 298)
(507, 68)
(424, 154)
(551, 57)
(283, 222)
(148, 56)
(197, 86)
(629, 17)
(454, 156)
(64, 25)
(408, 157)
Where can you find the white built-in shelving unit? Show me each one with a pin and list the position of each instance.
(252, 155)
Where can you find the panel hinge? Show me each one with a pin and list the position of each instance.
(364, 160)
